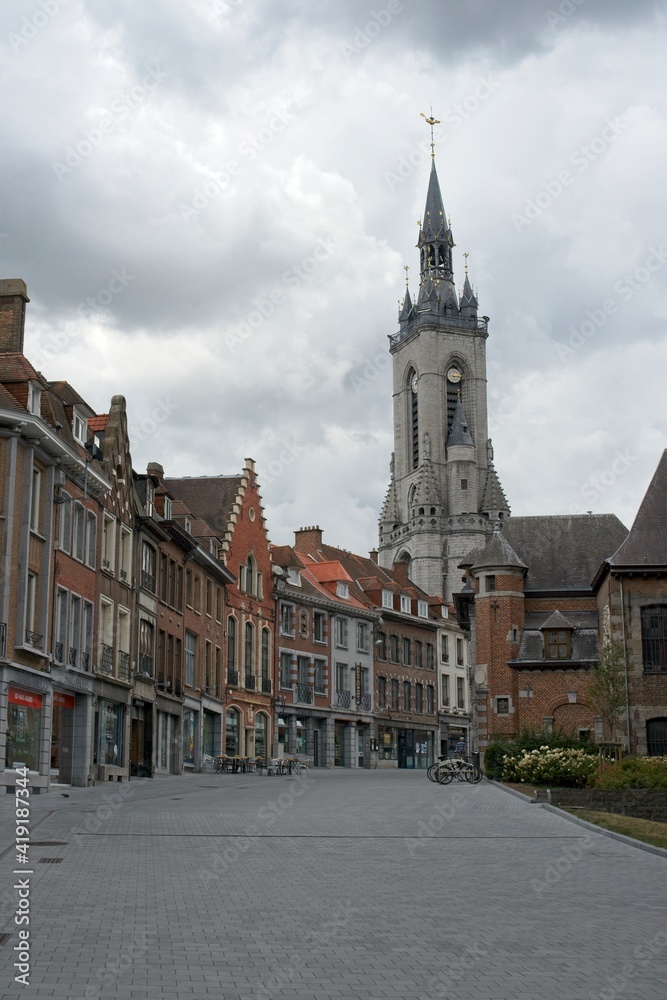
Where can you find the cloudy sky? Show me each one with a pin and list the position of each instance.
(212, 202)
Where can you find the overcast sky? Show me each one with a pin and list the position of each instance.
(212, 201)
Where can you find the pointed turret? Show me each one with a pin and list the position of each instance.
(469, 303)
(407, 313)
(459, 432)
(435, 251)
(494, 502)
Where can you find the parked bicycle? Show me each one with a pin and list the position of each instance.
(448, 768)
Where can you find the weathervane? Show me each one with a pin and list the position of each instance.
(466, 255)
(431, 121)
(406, 269)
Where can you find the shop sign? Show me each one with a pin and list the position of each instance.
(24, 698)
(64, 700)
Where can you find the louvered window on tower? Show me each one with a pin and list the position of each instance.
(414, 412)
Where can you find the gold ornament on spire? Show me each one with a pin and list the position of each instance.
(430, 121)
(466, 255)
(406, 269)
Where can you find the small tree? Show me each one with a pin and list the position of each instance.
(607, 690)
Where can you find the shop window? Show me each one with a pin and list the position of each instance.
(189, 730)
(111, 733)
(24, 727)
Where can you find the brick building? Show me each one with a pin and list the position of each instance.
(534, 622)
(631, 588)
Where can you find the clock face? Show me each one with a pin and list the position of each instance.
(454, 375)
(413, 383)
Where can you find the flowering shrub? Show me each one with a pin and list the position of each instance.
(524, 741)
(634, 772)
(564, 767)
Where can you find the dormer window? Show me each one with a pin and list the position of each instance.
(187, 524)
(294, 576)
(79, 428)
(557, 644)
(422, 609)
(150, 497)
(405, 604)
(343, 589)
(167, 509)
(34, 399)
(387, 599)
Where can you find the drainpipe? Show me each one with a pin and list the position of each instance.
(625, 665)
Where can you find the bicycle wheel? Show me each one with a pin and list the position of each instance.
(431, 770)
(444, 776)
(473, 774)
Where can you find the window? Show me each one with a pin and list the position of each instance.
(167, 509)
(146, 646)
(654, 638)
(60, 626)
(502, 706)
(406, 605)
(394, 694)
(419, 657)
(34, 399)
(444, 690)
(208, 664)
(405, 647)
(108, 543)
(459, 651)
(249, 649)
(35, 497)
(381, 646)
(249, 575)
(124, 644)
(363, 637)
(422, 609)
(387, 599)
(444, 648)
(197, 603)
(148, 561)
(407, 696)
(87, 635)
(419, 698)
(341, 632)
(218, 604)
(320, 686)
(74, 631)
(557, 644)
(218, 671)
(342, 589)
(266, 642)
(209, 598)
(393, 648)
(190, 658)
(150, 497)
(79, 429)
(286, 619)
(91, 538)
(78, 533)
(105, 661)
(188, 588)
(231, 650)
(341, 677)
(285, 670)
(294, 576)
(31, 610)
(319, 620)
(382, 692)
(464, 485)
(460, 693)
(65, 527)
(430, 656)
(489, 584)
(430, 699)
(125, 554)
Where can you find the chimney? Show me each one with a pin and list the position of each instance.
(400, 572)
(13, 297)
(373, 554)
(155, 469)
(308, 540)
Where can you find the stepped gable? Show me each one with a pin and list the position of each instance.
(210, 498)
(646, 543)
(564, 551)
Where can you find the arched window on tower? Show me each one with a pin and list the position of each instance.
(413, 419)
(455, 385)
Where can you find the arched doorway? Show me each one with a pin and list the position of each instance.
(232, 732)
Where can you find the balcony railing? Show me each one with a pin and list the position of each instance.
(266, 685)
(123, 665)
(250, 682)
(33, 639)
(145, 664)
(343, 699)
(73, 657)
(148, 581)
(304, 693)
(58, 652)
(232, 677)
(106, 659)
(364, 702)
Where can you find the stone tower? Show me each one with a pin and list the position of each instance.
(444, 496)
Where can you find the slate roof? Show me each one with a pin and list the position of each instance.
(459, 432)
(563, 552)
(494, 496)
(498, 552)
(646, 544)
(208, 497)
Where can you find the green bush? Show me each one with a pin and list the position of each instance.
(634, 772)
(524, 741)
(563, 767)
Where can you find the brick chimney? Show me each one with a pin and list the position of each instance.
(373, 554)
(13, 297)
(400, 572)
(308, 540)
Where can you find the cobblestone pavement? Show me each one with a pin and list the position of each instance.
(337, 886)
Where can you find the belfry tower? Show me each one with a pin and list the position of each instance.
(444, 497)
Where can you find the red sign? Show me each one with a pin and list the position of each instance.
(24, 698)
(64, 700)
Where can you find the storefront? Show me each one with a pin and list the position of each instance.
(189, 733)
(261, 735)
(141, 739)
(232, 732)
(62, 737)
(407, 748)
(24, 728)
(167, 743)
(212, 733)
